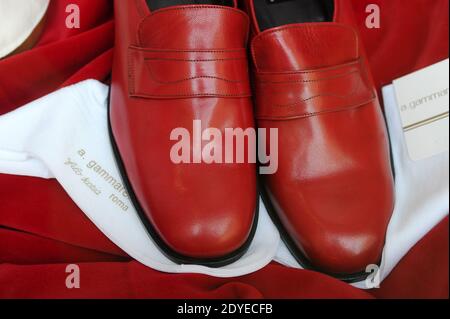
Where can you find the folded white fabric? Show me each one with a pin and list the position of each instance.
(65, 136)
(422, 196)
(18, 19)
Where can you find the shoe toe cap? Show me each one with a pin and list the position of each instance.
(341, 232)
(204, 221)
(344, 252)
(209, 238)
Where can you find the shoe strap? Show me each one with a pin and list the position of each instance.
(301, 94)
(168, 74)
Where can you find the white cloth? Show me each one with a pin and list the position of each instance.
(65, 136)
(37, 139)
(18, 19)
(422, 196)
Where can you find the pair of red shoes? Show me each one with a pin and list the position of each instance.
(177, 61)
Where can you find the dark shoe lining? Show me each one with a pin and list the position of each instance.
(159, 4)
(275, 13)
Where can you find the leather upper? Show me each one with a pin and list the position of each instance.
(171, 67)
(333, 191)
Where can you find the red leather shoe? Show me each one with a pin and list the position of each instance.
(333, 194)
(173, 65)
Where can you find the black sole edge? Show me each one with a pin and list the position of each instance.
(162, 246)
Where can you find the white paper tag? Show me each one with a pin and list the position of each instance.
(423, 101)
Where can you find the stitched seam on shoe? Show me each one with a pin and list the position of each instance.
(131, 74)
(152, 75)
(352, 93)
(193, 60)
(312, 71)
(314, 114)
(188, 50)
(132, 77)
(309, 81)
(191, 78)
(155, 96)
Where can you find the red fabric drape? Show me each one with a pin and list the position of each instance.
(41, 229)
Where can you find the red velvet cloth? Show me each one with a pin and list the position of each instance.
(41, 229)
